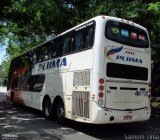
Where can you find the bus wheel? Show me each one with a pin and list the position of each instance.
(60, 113)
(47, 109)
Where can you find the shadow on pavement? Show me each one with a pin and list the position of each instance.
(29, 123)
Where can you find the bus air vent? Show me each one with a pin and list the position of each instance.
(81, 104)
(81, 78)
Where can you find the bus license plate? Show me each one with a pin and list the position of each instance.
(127, 118)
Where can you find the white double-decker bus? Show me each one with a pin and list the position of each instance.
(97, 72)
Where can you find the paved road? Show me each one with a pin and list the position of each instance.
(29, 124)
(2, 97)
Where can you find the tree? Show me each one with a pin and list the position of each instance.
(154, 9)
(25, 24)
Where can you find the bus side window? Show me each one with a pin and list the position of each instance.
(84, 40)
(38, 84)
(90, 37)
(78, 41)
(30, 83)
(49, 51)
(71, 45)
(33, 83)
(65, 45)
(23, 82)
(59, 47)
(27, 83)
(43, 52)
(34, 58)
(52, 50)
(46, 54)
(38, 55)
(87, 39)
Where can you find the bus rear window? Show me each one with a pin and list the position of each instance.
(126, 34)
(126, 72)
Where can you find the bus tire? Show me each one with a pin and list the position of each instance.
(47, 109)
(60, 112)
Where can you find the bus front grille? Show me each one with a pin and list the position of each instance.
(81, 104)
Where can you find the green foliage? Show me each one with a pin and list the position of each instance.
(154, 29)
(154, 7)
(5, 65)
(24, 24)
(121, 8)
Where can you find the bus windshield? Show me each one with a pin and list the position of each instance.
(126, 34)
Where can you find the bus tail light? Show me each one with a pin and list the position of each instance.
(101, 81)
(101, 92)
(149, 89)
(101, 87)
